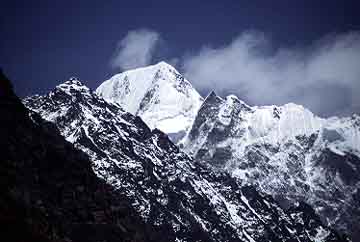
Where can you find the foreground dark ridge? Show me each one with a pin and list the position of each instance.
(48, 189)
(184, 199)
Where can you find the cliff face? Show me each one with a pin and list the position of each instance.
(48, 189)
(285, 151)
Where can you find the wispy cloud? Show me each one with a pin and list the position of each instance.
(135, 49)
(324, 77)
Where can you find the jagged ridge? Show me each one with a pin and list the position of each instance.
(48, 189)
(185, 199)
(285, 150)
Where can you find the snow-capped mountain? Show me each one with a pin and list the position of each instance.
(186, 200)
(286, 151)
(159, 94)
(49, 192)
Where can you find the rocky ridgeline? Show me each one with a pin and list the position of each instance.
(184, 199)
(48, 189)
(286, 151)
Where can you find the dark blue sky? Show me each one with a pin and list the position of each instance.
(46, 42)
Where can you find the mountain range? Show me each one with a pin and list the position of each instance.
(286, 151)
(185, 199)
(173, 166)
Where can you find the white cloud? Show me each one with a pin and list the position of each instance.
(324, 77)
(135, 49)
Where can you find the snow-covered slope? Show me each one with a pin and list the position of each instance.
(286, 151)
(185, 199)
(159, 94)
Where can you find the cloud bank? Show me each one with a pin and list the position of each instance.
(324, 77)
(135, 49)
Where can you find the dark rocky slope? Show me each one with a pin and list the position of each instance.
(48, 189)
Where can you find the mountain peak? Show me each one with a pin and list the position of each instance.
(149, 70)
(159, 94)
(163, 67)
(73, 81)
(212, 94)
(212, 97)
(73, 84)
(164, 64)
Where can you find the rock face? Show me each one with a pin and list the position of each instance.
(183, 199)
(48, 189)
(159, 94)
(286, 151)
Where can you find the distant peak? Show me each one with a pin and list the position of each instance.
(232, 97)
(212, 97)
(163, 64)
(73, 83)
(211, 94)
(74, 79)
